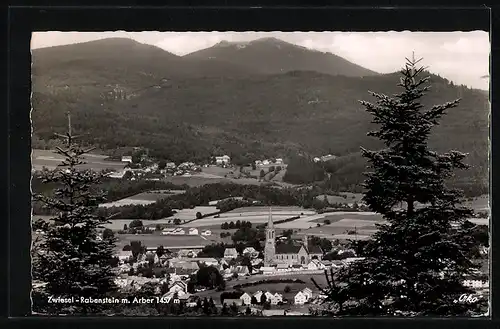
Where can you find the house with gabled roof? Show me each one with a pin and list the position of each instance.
(276, 299)
(246, 298)
(258, 295)
(179, 287)
(308, 292)
(300, 298)
(315, 265)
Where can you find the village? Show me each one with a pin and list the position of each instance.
(146, 167)
(237, 280)
(274, 281)
(191, 258)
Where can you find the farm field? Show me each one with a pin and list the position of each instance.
(364, 222)
(218, 171)
(361, 217)
(144, 198)
(156, 240)
(255, 215)
(190, 214)
(183, 215)
(203, 179)
(304, 222)
(344, 197)
(50, 160)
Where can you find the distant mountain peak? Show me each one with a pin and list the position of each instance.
(269, 40)
(280, 57)
(226, 43)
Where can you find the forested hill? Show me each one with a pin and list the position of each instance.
(183, 114)
(272, 56)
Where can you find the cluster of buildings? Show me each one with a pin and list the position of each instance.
(300, 298)
(223, 160)
(267, 162)
(182, 231)
(147, 168)
(184, 169)
(324, 158)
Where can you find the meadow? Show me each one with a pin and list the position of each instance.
(50, 160)
(343, 197)
(156, 240)
(203, 179)
(255, 215)
(143, 198)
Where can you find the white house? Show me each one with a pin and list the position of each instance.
(266, 162)
(307, 292)
(315, 265)
(300, 298)
(279, 161)
(258, 295)
(178, 287)
(230, 253)
(179, 231)
(276, 299)
(269, 296)
(246, 299)
(127, 158)
(206, 233)
(225, 159)
(193, 231)
(250, 251)
(316, 159)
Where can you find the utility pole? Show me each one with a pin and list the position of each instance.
(69, 135)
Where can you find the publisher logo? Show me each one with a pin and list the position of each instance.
(468, 299)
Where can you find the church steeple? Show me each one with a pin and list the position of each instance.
(270, 246)
(270, 224)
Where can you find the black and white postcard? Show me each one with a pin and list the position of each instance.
(224, 174)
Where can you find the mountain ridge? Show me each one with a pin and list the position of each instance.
(194, 109)
(280, 57)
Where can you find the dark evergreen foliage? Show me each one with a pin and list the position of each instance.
(415, 264)
(71, 259)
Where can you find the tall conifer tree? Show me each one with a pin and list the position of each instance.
(72, 260)
(415, 264)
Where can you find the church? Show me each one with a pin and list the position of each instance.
(284, 253)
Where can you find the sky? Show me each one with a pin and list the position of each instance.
(462, 57)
